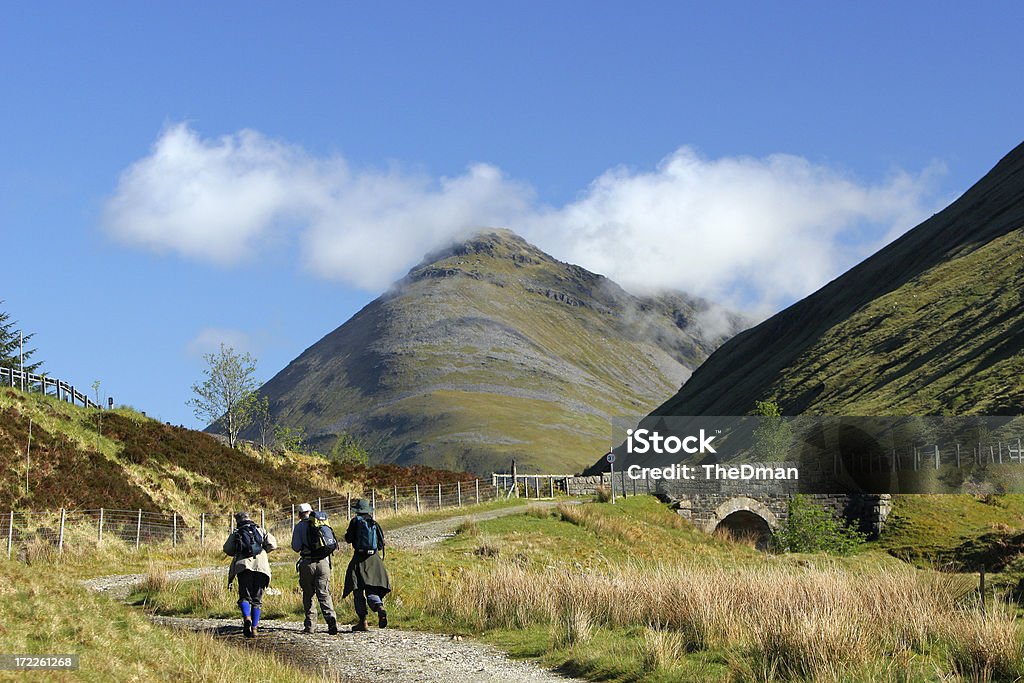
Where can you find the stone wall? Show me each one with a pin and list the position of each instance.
(707, 502)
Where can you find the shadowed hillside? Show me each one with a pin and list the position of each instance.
(931, 324)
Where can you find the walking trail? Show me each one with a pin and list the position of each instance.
(380, 655)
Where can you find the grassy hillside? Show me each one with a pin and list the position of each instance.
(931, 324)
(120, 459)
(493, 350)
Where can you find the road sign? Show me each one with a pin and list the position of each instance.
(610, 457)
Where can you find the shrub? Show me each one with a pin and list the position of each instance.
(810, 528)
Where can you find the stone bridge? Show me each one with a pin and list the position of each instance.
(743, 507)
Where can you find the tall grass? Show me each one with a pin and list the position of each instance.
(789, 622)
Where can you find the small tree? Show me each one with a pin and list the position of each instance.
(290, 438)
(227, 396)
(263, 419)
(11, 342)
(810, 528)
(774, 434)
(349, 450)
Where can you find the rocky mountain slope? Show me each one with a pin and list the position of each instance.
(931, 324)
(491, 350)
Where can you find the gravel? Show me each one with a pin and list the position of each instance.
(378, 655)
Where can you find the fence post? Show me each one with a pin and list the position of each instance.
(174, 530)
(202, 528)
(348, 506)
(293, 515)
(319, 505)
(417, 497)
(396, 498)
(458, 487)
(438, 496)
(138, 530)
(263, 519)
(60, 539)
(981, 589)
(373, 499)
(958, 456)
(477, 491)
(99, 534)
(10, 534)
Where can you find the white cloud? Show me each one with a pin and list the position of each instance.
(746, 232)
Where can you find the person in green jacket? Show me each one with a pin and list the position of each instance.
(251, 566)
(366, 577)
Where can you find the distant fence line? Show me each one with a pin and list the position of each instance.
(932, 456)
(74, 527)
(64, 391)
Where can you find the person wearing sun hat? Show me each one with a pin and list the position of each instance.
(314, 574)
(366, 577)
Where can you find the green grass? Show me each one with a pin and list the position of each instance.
(929, 530)
(43, 612)
(637, 537)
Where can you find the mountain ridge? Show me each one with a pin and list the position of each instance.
(490, 349)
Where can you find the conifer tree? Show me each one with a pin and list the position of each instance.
(10, 345)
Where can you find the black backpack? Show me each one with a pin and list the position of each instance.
(320, 537)
(367, 539)
(250, 540)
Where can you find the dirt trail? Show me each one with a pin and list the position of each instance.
(377, 656)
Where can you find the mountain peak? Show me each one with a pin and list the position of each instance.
(491, 349)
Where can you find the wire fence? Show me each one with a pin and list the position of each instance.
(83, 527)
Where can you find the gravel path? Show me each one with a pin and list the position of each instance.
(396, 655)
(428, 533)
(379, 655)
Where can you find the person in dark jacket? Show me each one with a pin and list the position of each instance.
(252, 571)
(366, 577)
(314, 575)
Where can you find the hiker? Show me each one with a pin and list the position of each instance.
(314, 541)
(249, 544)
(366, 576)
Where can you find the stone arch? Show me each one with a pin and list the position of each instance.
(744, 515)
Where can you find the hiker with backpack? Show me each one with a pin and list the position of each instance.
(314, 541)
(366, 576)
(249, 544)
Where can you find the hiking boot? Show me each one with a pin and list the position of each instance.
(247, 627)
(332, 627)
(255, 631)
(382, 618)
(308, 630)
(361, 626)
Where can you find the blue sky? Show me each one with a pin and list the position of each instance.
(178, 174)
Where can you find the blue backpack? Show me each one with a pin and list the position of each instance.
(367, 540)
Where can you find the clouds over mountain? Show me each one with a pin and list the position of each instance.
(750, 232)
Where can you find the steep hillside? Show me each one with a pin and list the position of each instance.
(931, 324)
(490, 350)
(120, 459)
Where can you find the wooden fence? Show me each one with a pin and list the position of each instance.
(65, 391)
